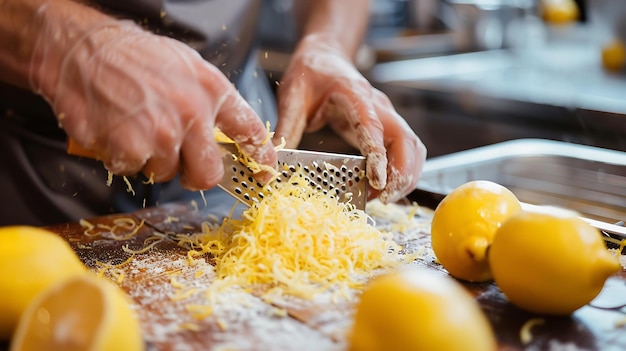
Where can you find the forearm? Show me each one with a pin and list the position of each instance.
(23, 22)
(343, 22)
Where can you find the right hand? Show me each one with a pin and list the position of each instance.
(143, 102)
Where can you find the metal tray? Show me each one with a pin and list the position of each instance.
(589, 180)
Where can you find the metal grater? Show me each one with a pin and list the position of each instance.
(338, 174)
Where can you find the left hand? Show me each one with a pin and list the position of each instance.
(322, 86)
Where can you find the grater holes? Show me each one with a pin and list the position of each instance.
(235, 179)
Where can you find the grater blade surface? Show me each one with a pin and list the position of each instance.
(340, 175)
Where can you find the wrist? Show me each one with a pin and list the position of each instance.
(60, 32)
(325, 42)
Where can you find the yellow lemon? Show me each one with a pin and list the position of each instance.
(79, 313)
(559, 11)
(614, 56)
(464, 224)
(417, 309)
(31, 259)
(548, 261)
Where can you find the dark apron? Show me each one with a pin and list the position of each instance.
(41, 185)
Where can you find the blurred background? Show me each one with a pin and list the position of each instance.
(469, 73)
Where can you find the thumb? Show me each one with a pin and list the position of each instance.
(292, 113)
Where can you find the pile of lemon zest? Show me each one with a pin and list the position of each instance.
(525, 333)
(150, 180)
(182, 295)
(298, 240)
(109, 178)
(199, 312)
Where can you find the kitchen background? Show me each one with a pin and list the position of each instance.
(468, 73)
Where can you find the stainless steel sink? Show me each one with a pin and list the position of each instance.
(589, 180)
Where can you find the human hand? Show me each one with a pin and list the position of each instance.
(322, 86)
(143, 102)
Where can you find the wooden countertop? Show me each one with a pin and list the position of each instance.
(168, 294)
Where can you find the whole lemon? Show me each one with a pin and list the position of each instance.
(79, 313)
(417, 309)
(464, 224)
(614, 56)
(559, 11)
(31, 259)
(547, 260)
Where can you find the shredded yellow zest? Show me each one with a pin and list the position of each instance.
(150, 180)
(298, 240)
(123, 228)
(254, 166)
(153, 240)
(109, 178)
(129, 187)
(525, 333)
(114, 270)
(199, 312)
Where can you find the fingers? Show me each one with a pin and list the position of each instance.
(406, 152)
(201, 163)
(356, 104)
(163, 165)
(292, 112)
(237, 120)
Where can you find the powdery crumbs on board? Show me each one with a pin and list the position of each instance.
(164, 286)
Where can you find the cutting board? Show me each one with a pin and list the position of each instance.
(168, 293)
